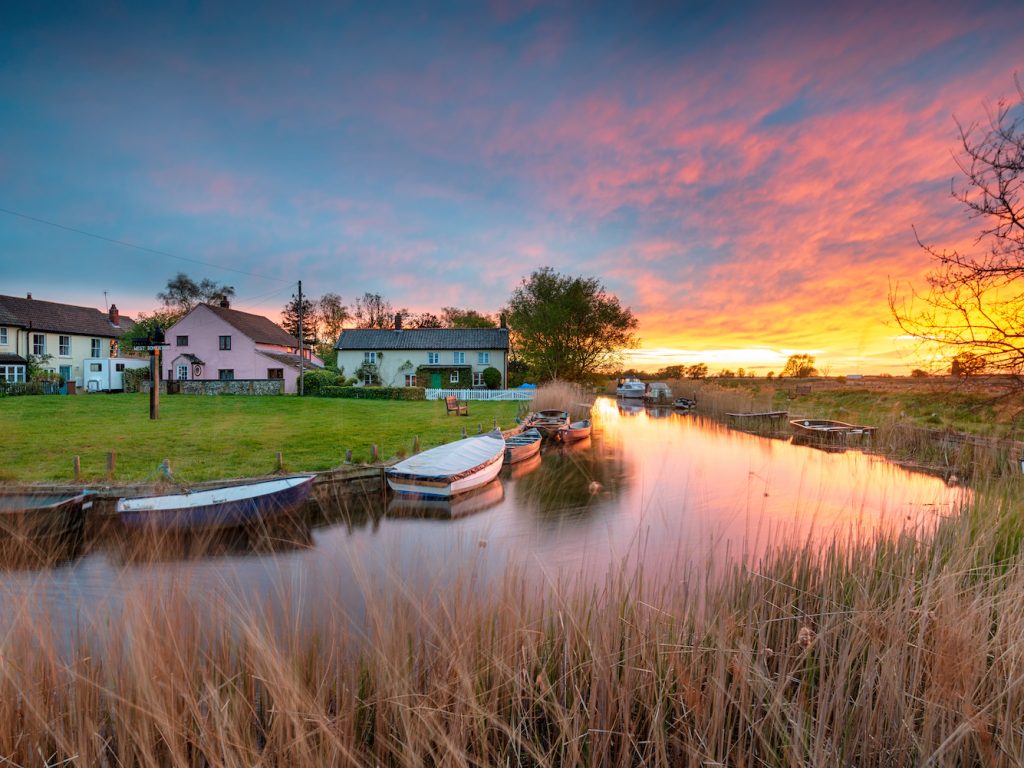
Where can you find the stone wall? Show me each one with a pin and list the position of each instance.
(228, 387)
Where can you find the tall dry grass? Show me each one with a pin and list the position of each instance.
(563, 395)
(905, 650)
(716, 400)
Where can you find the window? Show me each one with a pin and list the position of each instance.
(64, 346)
(454, 378)
(225, 343)
(38, 343)
(119, 367)
(368, 379)
(12, 373)
(370, 357)
(483, 358)
(410, 379)
(460, 358)
(181, 341)
(95, 367)
(226, 374)
(182, 372)
(433, 358)
(275, 373)
(3, 335)
(96, 347)
(478, 379)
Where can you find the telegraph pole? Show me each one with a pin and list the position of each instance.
(301, 357)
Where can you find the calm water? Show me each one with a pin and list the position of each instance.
(655, 485)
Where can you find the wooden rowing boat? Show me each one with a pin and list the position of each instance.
(578, 430)
(40, 529)
(827, 429)
(522, 446)
(450, 469)
(229, 507)
(549, 422)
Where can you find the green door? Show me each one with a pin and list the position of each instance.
(435, 380)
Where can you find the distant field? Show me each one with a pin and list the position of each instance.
(216, 437)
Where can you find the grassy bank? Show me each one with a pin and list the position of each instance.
(903, 651)
(216, 437)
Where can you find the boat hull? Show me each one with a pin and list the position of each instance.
(580, 430)
(230, 507)
(40, 531)
(630, 392)
(824, 429)
(522, 447)
(444, 488)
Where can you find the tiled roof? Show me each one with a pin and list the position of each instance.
(60, 318)
(256, 327)
(424, 338)
(292, 361)
(6, 358)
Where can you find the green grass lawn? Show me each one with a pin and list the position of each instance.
(209, 438)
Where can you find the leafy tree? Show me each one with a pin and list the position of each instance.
(770, 375)
(568, 327)
(453, 317)
(144, 327)
(671, 372)
(799, 366)
(35, 368)
(182, 293)
(697, 371)
(919, 373)
(741, 372)
(975, 300)
(372, 310)
(967, 364)
(333, 314)
(725, 373)
(310, 320)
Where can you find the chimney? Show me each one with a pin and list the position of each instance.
(28, 296)
(503, 321)
(398, 321)
(224, 302)
(115, 316)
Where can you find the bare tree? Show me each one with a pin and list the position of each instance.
(372, 310)
(333, 315)
(974, 301)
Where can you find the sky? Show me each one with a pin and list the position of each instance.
(746, 177)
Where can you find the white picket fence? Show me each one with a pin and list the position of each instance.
(481, 394)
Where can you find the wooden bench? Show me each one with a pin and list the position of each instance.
(452, 404)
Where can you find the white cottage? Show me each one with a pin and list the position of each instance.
(423, 357)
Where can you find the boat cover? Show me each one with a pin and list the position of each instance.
(452, 459)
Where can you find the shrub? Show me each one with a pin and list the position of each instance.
(313, 382)
(133, 378)
(376, 393)
(492, 377)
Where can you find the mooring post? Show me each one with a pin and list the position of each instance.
(111, 464)
(348, 456)
(463, 431)
(479, 429)
(166, 467)
(373, 453)
(78, 468)
(495, 422)
(416, 444)
(280, 461)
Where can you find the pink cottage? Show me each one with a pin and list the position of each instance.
(216, 342)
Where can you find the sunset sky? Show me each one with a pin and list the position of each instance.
(745, 177)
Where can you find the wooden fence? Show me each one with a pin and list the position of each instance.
(481, 394)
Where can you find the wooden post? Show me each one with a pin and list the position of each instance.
(111, 464)
(154, 391)
(348, 456)
(373, 453)
(78, 468)
(167, 468)
(280, 461)
(463, 431)
(416, 444)
(479, 429)
(495, 422)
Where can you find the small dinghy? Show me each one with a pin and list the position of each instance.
(684, 404)
(230, 507)
(522, 446)
(40, 529)
(549, 422)
(578, 430)
(450, 469)
(826, 429)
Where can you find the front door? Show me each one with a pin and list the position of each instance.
(435, 380)
(65, 374)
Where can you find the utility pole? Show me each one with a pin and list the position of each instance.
(301, 357)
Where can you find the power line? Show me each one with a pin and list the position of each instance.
(138, 247)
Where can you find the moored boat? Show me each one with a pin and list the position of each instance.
(450, 469)
(684, 403)
(827, 429)
(631, 388)
(549, 422)
(658, 393)
(522, 446)
(404, 505)
(40, 529)
(228, 507)
(578, 430)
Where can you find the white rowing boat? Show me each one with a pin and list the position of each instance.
(450, 469)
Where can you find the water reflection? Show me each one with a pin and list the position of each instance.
(680, 484)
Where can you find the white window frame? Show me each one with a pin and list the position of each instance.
(433, 358)
(368, 379)
(12, 374)
(38, 343)
(96, 348)
(454, 377)
(370, 357)
(181, 372)
(459, 358)
(483, 358)
(478, 379)
(64, 346)
(410, 379)
(3, 336)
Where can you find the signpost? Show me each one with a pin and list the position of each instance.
(153, 345)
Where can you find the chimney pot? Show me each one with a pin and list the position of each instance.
(504, 321)
(224, 302)
(115, 316)
(28, 295)
(398, 321)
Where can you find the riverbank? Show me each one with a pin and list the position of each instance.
(212, 438)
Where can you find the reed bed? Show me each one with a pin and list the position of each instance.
(904, 650)
(716, 400)
(563, 395)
